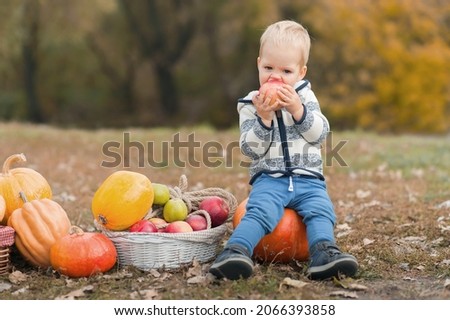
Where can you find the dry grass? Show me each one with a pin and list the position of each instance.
(387, 201)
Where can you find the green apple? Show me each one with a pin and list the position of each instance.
(162, 193)
(175, 210)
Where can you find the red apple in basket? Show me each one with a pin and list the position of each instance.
(217, 208)
(178, 226)
(143, 226)
(160, 224)
(197, 222)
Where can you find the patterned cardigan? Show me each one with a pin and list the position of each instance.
(287, 147)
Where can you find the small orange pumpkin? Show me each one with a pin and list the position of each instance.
(124, 198)
(285, 243)
(95, 253)
(26, 180)
(38, 224)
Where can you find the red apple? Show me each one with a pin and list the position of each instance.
(197, 222)
(160, 224)
(178, 226)
(143, 226)
(270, 88)
(217, 208)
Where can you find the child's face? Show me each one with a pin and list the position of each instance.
(282, 64)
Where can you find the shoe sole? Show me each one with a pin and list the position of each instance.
(232, 269)
(346, 266)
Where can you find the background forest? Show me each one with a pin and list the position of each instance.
(376, 65)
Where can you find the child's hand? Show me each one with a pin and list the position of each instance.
(290, 100)
(264, 109)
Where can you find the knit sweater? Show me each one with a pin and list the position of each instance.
(287, 147)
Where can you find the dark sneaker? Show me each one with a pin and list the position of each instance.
(328, 261)
(233, 263)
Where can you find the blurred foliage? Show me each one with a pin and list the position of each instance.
(377, 65)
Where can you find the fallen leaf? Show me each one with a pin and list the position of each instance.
(195, 270)
(76, 293)
(17, 277)
(343, 227)
(444, 205)
(421, 268)
(357, 287)
(414, 239)
(293, 283)
(372, 203)
(345, 294)
(409, 279)
(361, 194)
(404, 266)
(445, 262)
(155, 273)
(149, 294)
(366, 241)
(343, 233)
(198, 280)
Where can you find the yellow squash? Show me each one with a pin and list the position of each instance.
(124, 198)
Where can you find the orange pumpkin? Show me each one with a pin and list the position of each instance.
(285, 243)
(28, 181)
(38, 224)
(95, 253)
(124, 198)
(2, 207)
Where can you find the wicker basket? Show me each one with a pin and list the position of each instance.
(4, 260)
(172, 250)
(148, 251)
(6, 241)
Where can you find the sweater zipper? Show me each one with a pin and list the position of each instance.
(285, 147)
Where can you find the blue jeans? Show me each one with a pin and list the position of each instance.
(267, 200)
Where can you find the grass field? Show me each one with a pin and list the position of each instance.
(389, 194)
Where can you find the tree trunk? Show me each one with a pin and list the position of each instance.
(30, 62)
(168, 90)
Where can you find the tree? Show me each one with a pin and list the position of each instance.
(385, 65)
(163, 29)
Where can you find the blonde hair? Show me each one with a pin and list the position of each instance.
(289, 33)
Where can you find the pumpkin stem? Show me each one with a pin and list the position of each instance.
(23, 196)
(19, 157)
(76, 230)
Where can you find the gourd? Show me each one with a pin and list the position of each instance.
(26, 180)
(285, 243)
(38, 225)
(95, 253)
(2, 207)
(124, 198)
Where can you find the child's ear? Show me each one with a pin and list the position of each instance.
(258, 61)
(303, 72)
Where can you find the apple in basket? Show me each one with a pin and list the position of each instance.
(217, 208)
(197, 222)
(160, 223)
(143, 226)
(178, 226)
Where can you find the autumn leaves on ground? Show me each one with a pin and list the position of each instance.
(391, 194)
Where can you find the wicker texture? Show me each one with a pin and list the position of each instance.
(4, 260)
(6, 241)
(165, 250)
(172, 250)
